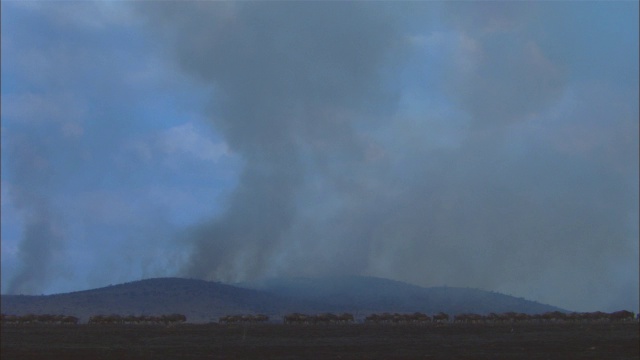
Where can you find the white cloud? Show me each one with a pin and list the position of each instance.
(186, 139)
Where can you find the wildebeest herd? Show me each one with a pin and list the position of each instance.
(326, 318)
(142, 319)
(244, 319)
(329, 318)
(38, 319)
(97, 319)
(466, 318)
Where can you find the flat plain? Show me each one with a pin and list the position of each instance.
(353, 341)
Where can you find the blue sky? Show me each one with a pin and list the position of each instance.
(481, 144)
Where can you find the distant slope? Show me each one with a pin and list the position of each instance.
(200, 301)
(205, 301)
(370, 294)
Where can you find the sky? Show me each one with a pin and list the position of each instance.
(490, 145)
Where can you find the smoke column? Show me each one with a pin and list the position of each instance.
(431, 143)
(292, 81)
(42, 240)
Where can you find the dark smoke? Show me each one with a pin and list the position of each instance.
(292, 80)
(483, 180)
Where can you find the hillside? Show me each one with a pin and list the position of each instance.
(370, 294)
(200, 301)
(205, 301)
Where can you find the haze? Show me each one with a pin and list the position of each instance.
(491, 145)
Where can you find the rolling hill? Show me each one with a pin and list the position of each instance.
(370, 294)
(205, 301)
(200, 301)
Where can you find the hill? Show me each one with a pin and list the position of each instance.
(205, 301)
(369, 294)
(199, 300)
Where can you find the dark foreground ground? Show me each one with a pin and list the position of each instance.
(454, 341)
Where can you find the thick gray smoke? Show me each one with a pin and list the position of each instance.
(293, 80)
(428, 143)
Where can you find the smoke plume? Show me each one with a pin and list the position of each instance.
(42, 239)
(293, 81)
(378, 140)
(490, 145)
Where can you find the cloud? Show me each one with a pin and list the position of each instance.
(70, 110)
(186, 139)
